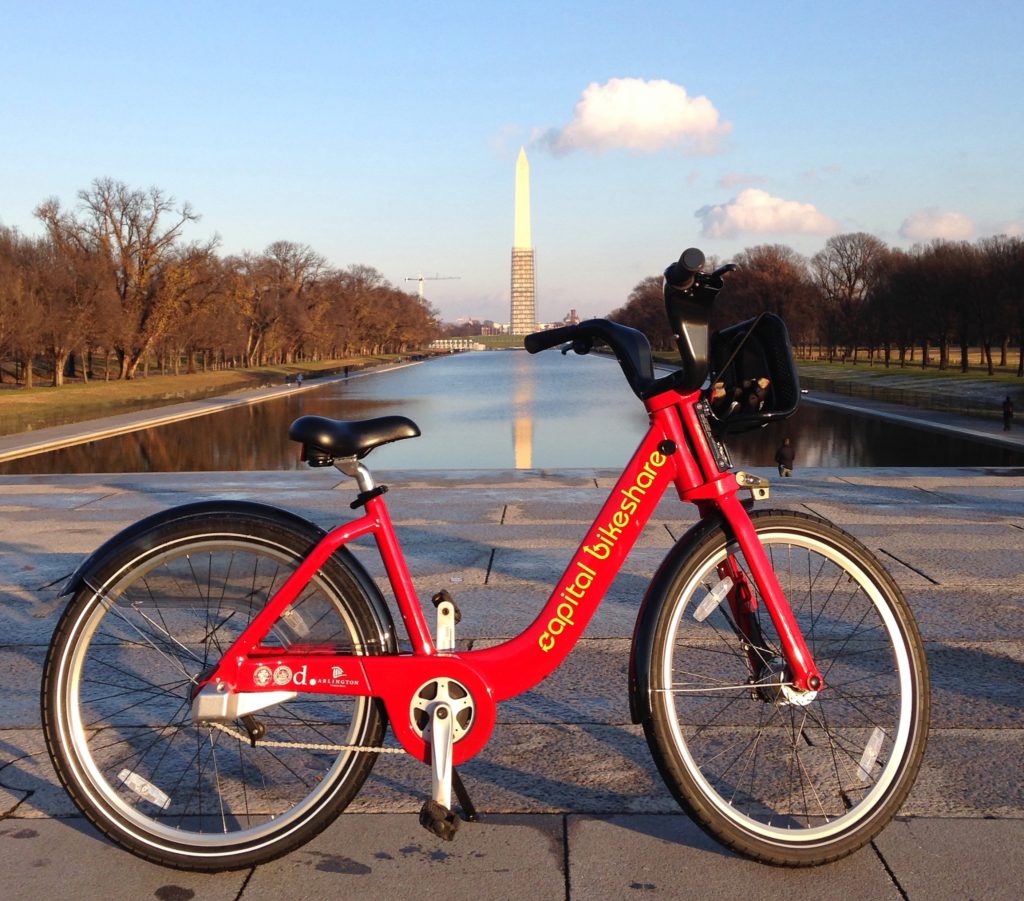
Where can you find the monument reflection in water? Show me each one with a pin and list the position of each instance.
(522, 418)
(498, 410)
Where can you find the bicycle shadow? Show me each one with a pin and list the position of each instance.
(973, 686)
(29, 779)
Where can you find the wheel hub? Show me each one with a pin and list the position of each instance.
(775, 686)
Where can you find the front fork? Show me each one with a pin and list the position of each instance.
(802, 672)
(743, 606)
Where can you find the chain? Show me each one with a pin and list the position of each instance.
(309, 746)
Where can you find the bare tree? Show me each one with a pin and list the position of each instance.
(356, 308)
(69, 299)
(773, 278)
(139, 232)
(200, 280)
(644, 310)
(896, 301)
(1003, 303)
(21, 317)
(844, 271)
(10, 289)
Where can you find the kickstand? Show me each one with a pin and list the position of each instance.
(468, 808)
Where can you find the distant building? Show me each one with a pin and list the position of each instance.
(524, 306)
(451, 345)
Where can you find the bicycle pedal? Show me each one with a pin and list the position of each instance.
(448, 616)
(439, 820)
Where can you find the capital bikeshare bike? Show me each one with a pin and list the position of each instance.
(219, 685)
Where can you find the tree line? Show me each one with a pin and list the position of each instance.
(859, 299)
(115, 280)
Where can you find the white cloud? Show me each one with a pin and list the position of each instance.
(931, 223)
(643, 116)
(754, 210)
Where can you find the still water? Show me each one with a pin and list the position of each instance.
(498, 410)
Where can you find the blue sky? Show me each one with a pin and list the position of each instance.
(386, 133)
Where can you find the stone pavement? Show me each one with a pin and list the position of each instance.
(573, 806)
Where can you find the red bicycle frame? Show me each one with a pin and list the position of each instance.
(674, 451)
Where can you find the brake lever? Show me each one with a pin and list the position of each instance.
(578, 345)
(715, 280)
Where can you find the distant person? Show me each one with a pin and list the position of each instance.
(784, 456)
(298, 380)
(1007, 413)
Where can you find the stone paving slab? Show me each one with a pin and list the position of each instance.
(668, 856)
(373, 857)
(44, 859)
(986, 857)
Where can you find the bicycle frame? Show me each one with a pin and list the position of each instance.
(675, 451)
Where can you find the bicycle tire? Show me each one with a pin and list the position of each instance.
(160, 607)
(774, 780)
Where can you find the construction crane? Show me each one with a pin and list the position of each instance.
(421, 278)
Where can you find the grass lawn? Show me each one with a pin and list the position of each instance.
(862, 371)
(24, 410)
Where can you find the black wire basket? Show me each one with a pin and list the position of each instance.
(753, 375)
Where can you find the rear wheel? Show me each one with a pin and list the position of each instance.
(126, 656)
(784, 777)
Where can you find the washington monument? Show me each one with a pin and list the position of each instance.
(523, 319)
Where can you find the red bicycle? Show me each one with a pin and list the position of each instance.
(219, 685)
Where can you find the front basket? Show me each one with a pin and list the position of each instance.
(753, 375)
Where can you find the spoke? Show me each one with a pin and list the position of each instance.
(171, 642)
(705, 691)
(96, 723)
(216, 779)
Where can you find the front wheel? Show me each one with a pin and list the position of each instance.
(139, 633)
(787, 778)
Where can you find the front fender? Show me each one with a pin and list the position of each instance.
(90, 571)
(641, 653)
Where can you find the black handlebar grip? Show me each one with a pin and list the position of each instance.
(680, 274)
(551, 337)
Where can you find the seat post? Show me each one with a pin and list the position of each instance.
(352, 467)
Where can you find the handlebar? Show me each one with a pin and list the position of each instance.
(631, 349)
(539, 341)
(689, 295)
